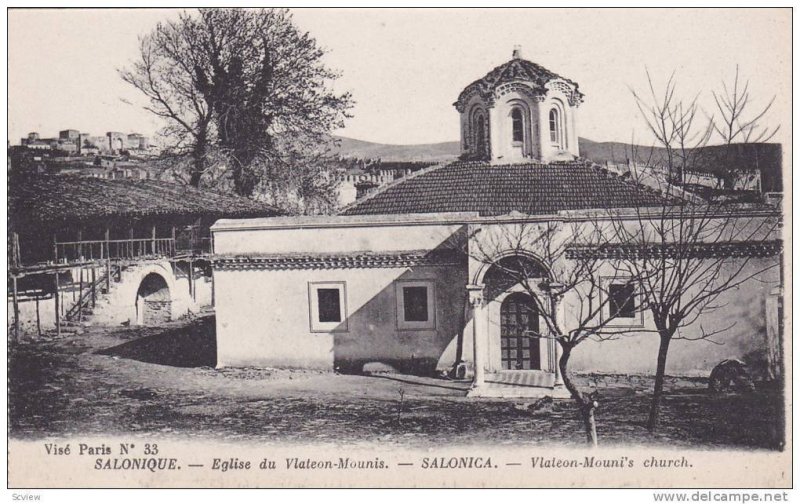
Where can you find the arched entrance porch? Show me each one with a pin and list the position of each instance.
(515, 354)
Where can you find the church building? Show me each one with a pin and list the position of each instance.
(395, 280)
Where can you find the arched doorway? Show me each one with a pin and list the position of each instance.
(513, 319)
(153, 301)
(519, 327)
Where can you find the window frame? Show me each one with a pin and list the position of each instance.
(406, 325)
(313, 307)
(555, 126)
(637, 321)
(623, 310)
(514, 121)
(479, 132)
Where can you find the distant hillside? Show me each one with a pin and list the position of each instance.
(611, 152)
(350, 147)
(766, 156)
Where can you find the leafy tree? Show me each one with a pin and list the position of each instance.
(243, 83)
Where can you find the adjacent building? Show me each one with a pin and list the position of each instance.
(72, 141)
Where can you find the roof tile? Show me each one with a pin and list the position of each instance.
(62, 198)
(530, 188)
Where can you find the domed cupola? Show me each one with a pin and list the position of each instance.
(518, 112)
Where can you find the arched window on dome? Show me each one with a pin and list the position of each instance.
(517, 134)
(555, 128)
(480, 135)
(479, 132)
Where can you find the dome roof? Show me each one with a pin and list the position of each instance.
(517, 70)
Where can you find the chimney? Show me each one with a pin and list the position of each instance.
(517, 54)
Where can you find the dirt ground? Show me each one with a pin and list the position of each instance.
(162, 381)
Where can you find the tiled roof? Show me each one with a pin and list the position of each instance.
(531, 188)
(64, 198)
(520, 69)
(516, 70)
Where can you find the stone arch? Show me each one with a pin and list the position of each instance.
(530, 261)
(153, 300)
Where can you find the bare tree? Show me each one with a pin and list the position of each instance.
(687, 256)
(686, 253)
(564, 283)
(737, 123)
(675, 126)
(166, 73)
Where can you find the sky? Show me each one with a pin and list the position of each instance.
(406, 67)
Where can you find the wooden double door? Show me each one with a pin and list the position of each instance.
(519, 325)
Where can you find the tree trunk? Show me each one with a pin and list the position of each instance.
(658, 389)
(199, 161)
(586, 405)
(589, 423)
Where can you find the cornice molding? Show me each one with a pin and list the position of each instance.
(339, 261)
(766, 248)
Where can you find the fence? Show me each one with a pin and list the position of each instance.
(78, 251)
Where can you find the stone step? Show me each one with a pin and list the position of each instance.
(64, 330)
(532, 378)
(510, 384)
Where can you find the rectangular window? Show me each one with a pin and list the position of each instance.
(516, 125)
(415, 304)
(622, 301)
(415, 301)
(327, 305)
(621, 304)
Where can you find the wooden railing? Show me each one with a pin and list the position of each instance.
(114, 249)
(92, 250)
(193, 245)
(88, 294)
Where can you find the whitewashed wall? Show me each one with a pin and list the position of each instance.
(263, 316)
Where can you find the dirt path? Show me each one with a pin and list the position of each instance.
(148, 380)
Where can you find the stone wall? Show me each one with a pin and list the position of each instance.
(156, 312)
